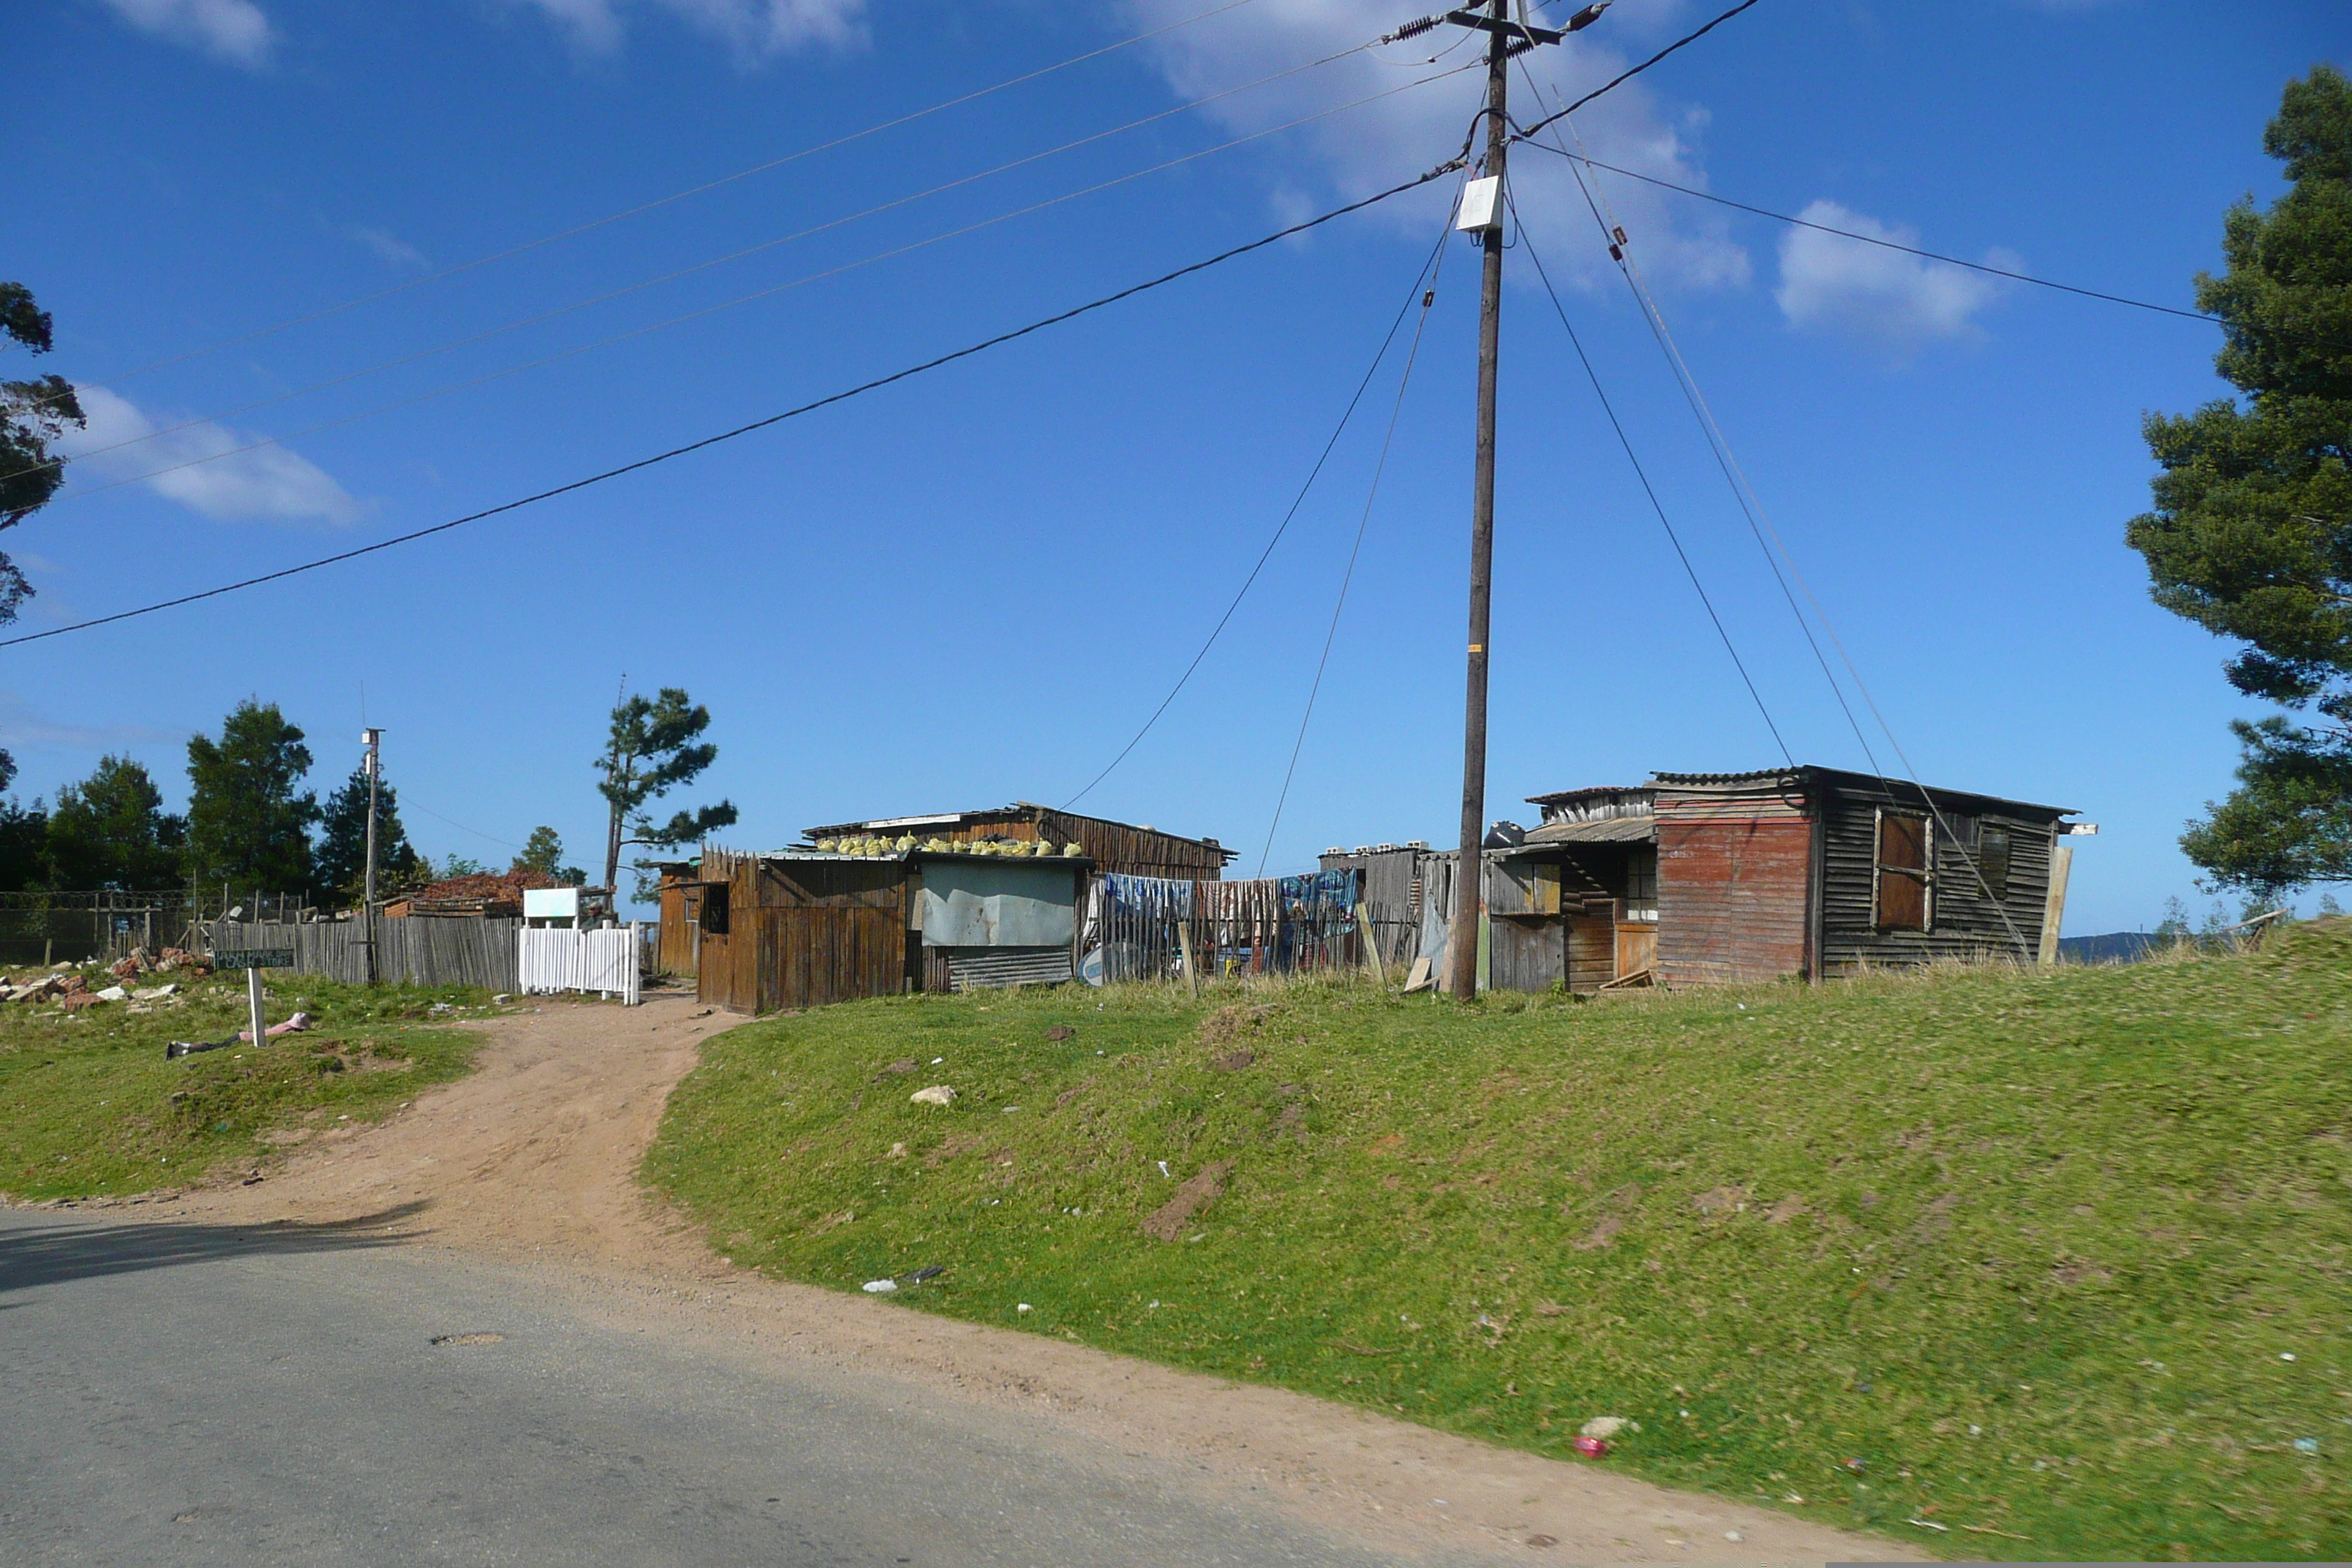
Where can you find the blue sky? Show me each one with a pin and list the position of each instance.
(975, 585)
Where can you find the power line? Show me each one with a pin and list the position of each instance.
(1655, 505)
(1379, 469)
(1752, 505)
(688, 271)
(1626, 76)
(1895, 245)
(756, 294)
(674, 197)
(1688, 383)
(1280, 528)
(794, 412)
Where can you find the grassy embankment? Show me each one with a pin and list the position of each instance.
(89, 1105)
(2059, 1258)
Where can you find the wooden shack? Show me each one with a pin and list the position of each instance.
(1711, 879)
(803, 927)
(1118, 846)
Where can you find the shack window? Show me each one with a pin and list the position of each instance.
(1992, 861)
(1901, 879)
(1642, 882)
(714, 909)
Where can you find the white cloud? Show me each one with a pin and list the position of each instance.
(389, 247)
(233, 30)
(1369, 149)
(268, 482)
(754, 30)
(1828, 283)
(21, 727)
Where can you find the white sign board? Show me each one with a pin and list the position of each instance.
(551, 903)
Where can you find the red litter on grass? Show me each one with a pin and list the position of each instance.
(1591, 1447)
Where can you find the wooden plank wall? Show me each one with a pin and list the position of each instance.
(418, 950)
(804, 933)
(814, 955)
(1526, 953)
(1964, 923)
(1735, 878)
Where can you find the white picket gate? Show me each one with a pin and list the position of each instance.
(606, 962)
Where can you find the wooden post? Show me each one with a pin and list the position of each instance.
(1373, 959)
(253, 1003)
(1462, 960)
(1184, 945)
(2062, 863)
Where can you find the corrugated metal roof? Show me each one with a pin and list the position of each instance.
(1601, 830)
(1562, 797)
(1794, 778)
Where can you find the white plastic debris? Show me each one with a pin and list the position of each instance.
(1023, 1308)
(938, 1094)
(879, 1287)
(1603, 1427)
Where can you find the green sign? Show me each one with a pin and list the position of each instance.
(255, 958)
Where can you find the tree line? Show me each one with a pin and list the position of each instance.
(251, 825)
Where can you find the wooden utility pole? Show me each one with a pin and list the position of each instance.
(375, 739)
(1482, 213)
(1462, 941)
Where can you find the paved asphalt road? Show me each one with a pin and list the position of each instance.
(183, 1393)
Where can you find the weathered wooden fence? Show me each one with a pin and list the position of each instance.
(419, 950)
(609, 962)
(1140, 928)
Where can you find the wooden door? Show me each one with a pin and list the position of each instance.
(1637, 947)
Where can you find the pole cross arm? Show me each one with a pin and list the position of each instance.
(1525, 30)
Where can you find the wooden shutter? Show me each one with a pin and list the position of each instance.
(1902, 877)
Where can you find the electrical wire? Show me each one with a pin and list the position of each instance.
(756, 295)
(1628, 75)
(688, 271)
(2012, 276)
(762, 424)
(1759, 520)
(1688, 383)
(412, 806)
(1297, 500)
(674, 197)
(1647, 488)
(1379, 469)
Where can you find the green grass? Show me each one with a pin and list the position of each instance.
(2034, 1248)
(90, 1107)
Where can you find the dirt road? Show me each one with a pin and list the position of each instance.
(531, 1162)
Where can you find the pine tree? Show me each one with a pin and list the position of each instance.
(2252, 533)
(112, 831)
(247, 825)
(339, 863)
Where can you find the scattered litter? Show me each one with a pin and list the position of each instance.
(898, 1151)
(2284, 1356)
(1604, 1427)
(1591, 1447)
(937, 1061)
(1929, 1524)
(2306, 1445)
(154, 993)
(1733, 1535)
(1163, 1169)
(929, 1271)
(502, 997)
(1023, 1307)
(938, 1094)
(1793, 1497)
(1010, 1108)
(1989, 1529)
(1856, 1466)
(879, 1287)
